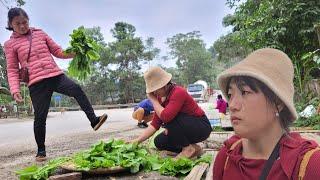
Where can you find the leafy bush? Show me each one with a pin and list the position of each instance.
(217, 129)
(313, 121)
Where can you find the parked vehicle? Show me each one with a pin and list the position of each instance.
(199, 91)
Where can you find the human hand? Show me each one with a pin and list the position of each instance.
(72, 54)
(69, 54)
(132, 141)
(17, 97)
(152, 97)
(165, 132)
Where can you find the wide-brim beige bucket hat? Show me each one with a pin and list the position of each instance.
(270, 66)
(156, 78)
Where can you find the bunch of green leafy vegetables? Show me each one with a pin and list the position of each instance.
(182, 166)
(115, 153)
(39, 173)
(86, 50)
(110, 154)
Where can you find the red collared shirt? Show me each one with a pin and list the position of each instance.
(177, 101)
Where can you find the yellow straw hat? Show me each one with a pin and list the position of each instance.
(156, 78)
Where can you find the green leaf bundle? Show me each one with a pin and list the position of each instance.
(39, 173)
(115, 153)
(110, 154)
(86, 50)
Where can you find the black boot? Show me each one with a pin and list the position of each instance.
(99, 121)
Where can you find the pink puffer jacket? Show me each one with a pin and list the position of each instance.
(41, 64)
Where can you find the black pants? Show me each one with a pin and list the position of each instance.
(41, 93)
(183, 131)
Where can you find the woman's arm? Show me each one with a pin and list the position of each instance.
(175, 103)
(156, 105)
(146, 134)
(12, 68)
(55, 49)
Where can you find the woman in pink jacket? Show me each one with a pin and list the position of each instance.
(221, 105)
(32, 48)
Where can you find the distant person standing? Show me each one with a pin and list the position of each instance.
(32, 49)
(4, 111)
(143, 113)
(221, 105)
(15, 110)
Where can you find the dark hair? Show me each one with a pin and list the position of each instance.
(219, 96)
(285, 115)
(13, 12)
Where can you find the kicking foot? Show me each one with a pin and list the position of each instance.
(101, 120)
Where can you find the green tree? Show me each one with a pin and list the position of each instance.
(95, 34)
(3, 68)
(100, 87)
(127, 52)
(12, 3)
(192, 58)
(286, 25)
(228, 50)
(150, 51)
(176, 75)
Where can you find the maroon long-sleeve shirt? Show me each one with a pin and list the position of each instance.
(222, 106)
(177, 101)
(292, 150)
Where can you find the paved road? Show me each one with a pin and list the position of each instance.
(15, 130)
(59, 124)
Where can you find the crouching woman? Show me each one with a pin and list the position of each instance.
(184, 121)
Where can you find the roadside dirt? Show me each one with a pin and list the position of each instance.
(18, 156)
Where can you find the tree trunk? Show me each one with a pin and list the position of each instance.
(132, 97)
(317, 29)
(112, 100)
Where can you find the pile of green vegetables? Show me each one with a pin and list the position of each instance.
(39, 173)
(85, 50)
(116, 153)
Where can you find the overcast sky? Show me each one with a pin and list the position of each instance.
(152, 18)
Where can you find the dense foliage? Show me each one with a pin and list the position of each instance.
(193, 60)
(286, 25)
(3, 68)
(291, 26)
(4, 99)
